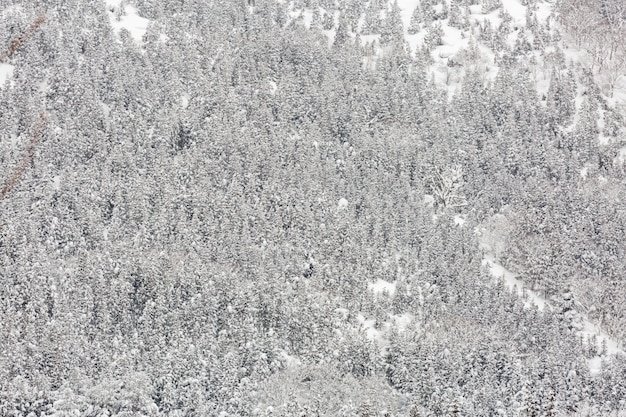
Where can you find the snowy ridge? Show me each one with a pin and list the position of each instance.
(259, 225)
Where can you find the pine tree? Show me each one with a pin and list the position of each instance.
(372, 21)
(328, 21)
(416, 21)
(414, 411)
(457, 18)
(585, 133)
(488, 6)
(429, 14)
(434, 36)
(365, 410)
(550, 404)
(392, 31)
(342, 36)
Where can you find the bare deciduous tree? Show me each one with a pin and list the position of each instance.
(599, 28)
(39, 128)
(24, 36)
(26, 158)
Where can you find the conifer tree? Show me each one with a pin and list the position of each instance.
(416, 21)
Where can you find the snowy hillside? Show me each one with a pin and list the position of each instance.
(312, 207)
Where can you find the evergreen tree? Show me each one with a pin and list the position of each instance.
(392, 30)
(416, 21)
(434, 36)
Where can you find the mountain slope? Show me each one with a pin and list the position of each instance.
(244, 208)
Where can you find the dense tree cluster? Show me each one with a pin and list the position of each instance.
(207, 210)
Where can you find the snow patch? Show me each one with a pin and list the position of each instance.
(406, 10)
(402, 321)
(273, 87)
(6, 73)
(517, 11)
(44, 87)
(342, 204)
(621, 157)
(56, 183)
(595, 365)
(584, 172)
(605, 346)
(591, 330)
(514, 284)
(290, 361)
(307, 17)
(184, 100)
(459, 219)
(105, 109)
(126, 17)
(380, 286)
(543, 11)
(344, 312)
(368, 326)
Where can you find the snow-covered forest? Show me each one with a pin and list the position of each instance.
(312, 208)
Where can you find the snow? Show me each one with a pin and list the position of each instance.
(514, 284)
(542, 82)
(595, 365)
(584, 326)
(307, 16)
(453, 41)
(290, 360)
(402, 321)
(517, 11)
(406, 10)
(184, 100)
(618, 98)
(44, 87)
(56, 183)
(272, 87)
(544, 11)
(590, 331)
(584, 172)
(381, 286)
(621, 156)
(342, 204)
(344, 312)
(444, 75)
(129, 19)
(368, 326)
(6, 73)
(397, 321)
(330, 34)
